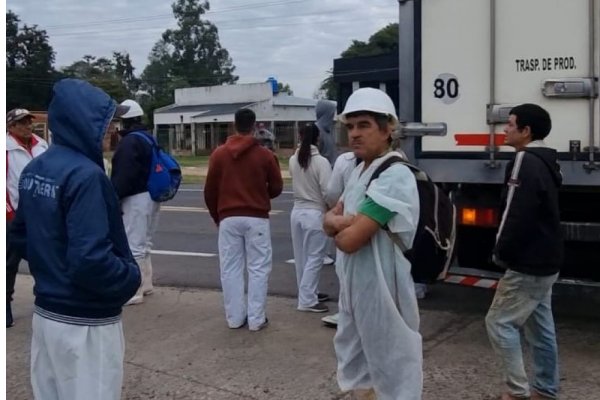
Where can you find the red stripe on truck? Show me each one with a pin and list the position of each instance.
(478, 139)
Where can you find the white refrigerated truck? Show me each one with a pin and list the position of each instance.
(463, 64)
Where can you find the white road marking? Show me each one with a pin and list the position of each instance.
(182, 253)
(201, 209)
(202, 190)
(290, 261)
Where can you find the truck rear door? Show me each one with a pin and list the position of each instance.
(479, 58)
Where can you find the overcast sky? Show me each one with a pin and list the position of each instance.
(293, 40)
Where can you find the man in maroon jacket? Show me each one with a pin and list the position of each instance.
(242, 178)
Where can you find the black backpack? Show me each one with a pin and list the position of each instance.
(432, 249)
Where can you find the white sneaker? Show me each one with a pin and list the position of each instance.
(420, 290)
(331, 320)
(135, 300)
(328, 261)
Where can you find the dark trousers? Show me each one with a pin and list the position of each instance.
(12, 266)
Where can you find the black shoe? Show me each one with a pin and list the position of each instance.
(321, 297)
(9, 317)
(317, 308)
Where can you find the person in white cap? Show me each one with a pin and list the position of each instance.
(22, 145)
(129, 175)
(377, 343)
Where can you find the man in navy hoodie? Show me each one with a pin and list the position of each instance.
(69, 228)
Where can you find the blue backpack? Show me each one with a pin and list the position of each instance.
(165, 173)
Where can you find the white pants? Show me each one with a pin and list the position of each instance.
(245, 241)
(74, 362)
(140, 217)
(310, 243)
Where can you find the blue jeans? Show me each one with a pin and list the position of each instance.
(524, 301)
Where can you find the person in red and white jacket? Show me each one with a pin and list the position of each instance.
(21, 147)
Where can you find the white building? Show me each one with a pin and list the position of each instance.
(202, 117)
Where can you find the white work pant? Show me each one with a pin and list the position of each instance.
(310, 243)
(74, 362)
(245, 241)
(140, 217)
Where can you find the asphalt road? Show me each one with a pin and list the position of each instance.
(186, 227)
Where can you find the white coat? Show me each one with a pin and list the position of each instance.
(17, 158)
(377, 343)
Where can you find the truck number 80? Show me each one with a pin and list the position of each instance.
(445, 88)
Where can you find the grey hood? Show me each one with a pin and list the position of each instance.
(325, 111)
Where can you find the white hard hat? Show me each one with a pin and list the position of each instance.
(369, 99)
(135, 110)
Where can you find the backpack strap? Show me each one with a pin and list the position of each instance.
(385, 165)
(149, 139)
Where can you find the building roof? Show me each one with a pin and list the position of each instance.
(285, 100)
(202, 110)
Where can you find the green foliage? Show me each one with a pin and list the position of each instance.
(383, 41)
(114, 76)
(328, 88)
(285, 88)
(189, 55)
(29, 70)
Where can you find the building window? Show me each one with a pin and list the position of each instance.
(284, 134)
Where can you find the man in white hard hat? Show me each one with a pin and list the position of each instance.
(378, 345)
(129, 175)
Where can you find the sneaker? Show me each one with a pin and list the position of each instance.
(317, 308)
(9, 317)
(321, 297)
(328, 261)
(535, 395)
(261, 326)
(135, 300)
(241, 326)
(148, 292)
(330, 320)
(508, 396)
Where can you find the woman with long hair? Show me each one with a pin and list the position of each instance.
(310, 174)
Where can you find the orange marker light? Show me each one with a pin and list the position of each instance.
(468, 216)
(487, 217)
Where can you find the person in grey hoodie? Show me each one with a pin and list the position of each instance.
(325, 122)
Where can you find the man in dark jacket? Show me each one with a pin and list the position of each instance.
(69, 228)
(129, 174)
(529, 245)
(242, 178)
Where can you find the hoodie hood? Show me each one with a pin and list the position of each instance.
(325, 111)
(238, 144)
(548, 156)
(79, 115)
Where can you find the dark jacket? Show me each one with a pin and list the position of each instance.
(530, 237)
(131, 164)
(242, 178)
(68, 225)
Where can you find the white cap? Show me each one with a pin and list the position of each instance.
(369, 99)
(135, 110)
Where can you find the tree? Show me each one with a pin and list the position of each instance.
(284, 88)
(29, 65)
(197, 55)
(115, 76)
(383, 41)
(189, 55)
